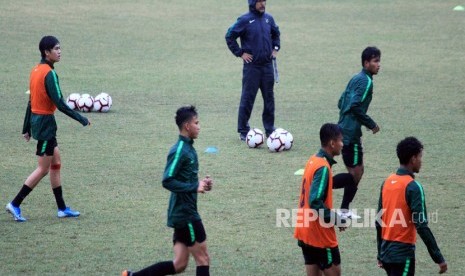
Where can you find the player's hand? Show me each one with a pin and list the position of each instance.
(27, 136)
(442, 267)
(209, 183)
(375, 129)
(247, 57)
(274, 54)
(380, 264)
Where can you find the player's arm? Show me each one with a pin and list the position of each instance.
(27, 120)
(174, 164)
(54, 92)
(361, 88)
(318, 193)
(416, 201)
(377, 224)
(232, 34)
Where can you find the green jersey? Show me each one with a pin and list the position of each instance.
(399, 252)
(353, 106)
(181, 178)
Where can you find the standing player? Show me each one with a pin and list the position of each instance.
(403, 214)
(353, 105)
(317, 237)
(181, 178)
(39, 123)
(260, 43)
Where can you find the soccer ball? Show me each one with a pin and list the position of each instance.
(85, 103)
(255, 138)
(102, 102)
(275, 142)
(72, 100)
(287, 138)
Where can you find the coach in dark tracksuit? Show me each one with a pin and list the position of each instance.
(259, 36)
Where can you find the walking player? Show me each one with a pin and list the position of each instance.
(39, 123)
(353, 105)
(181, 178)
(403, 208)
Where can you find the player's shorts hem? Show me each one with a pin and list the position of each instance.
(323, 257)
(190, 234)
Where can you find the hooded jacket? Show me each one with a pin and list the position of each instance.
(258, 33)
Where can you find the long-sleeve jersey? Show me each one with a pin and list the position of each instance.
(316, 197)
(39, 120)
(353, 106)
(258, 33)
(181, 178)
(398, 252)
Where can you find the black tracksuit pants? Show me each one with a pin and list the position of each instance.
(256, 77)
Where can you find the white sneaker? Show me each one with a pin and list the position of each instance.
(348, 214)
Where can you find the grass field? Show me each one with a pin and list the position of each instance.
(154, 56)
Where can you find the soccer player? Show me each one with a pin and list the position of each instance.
(181, 178)
(260, 43)
(403, 214)
(315, 221)
(353, 105)
(39, 122)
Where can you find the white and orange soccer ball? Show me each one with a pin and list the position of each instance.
(85, 103)
(102, 102)
(255, 138)
(72, 100)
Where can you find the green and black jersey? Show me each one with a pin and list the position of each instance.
(44, 126)
(181, 178)
(353, 105)
(399, 252)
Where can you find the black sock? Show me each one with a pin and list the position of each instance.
(346, 181)
(203, 270)
(58, 192)
(158, 269)
(25, 190)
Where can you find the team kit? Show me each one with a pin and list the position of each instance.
(316, 239)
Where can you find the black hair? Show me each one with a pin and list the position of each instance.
(370, 53)
(408, 148)
(329, 132)
(184, 114)
(47, 43)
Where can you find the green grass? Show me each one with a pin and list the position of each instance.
(154, 56)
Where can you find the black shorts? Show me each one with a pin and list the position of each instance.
(352, 154)
(407, 268)
(46, 147)
(323, 257)
(193, 232)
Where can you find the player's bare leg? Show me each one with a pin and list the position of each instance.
(313, 270)
(357, 173)
(181, 257)
(334, 270)
(202, 259)
(55, 176)
(39, 173)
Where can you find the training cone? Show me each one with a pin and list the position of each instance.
(459, 8)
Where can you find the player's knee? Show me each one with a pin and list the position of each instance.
(180, 265)
(203, 258)
(55, 167)
(43, 171)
